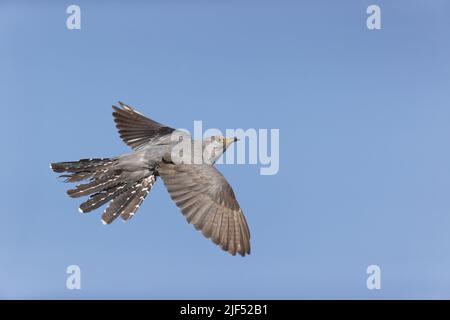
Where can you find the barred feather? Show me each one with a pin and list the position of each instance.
(101, 198)
(134, 204)
(94, 186)
(81, 165)
(128, 202)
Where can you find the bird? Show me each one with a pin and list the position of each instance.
(186, 167)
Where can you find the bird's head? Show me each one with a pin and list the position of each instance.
(215, 146)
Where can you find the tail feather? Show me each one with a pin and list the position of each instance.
(81, 165)
(83, 169)
(127, 203)
(100, 198)
(106, 183)
(142, 191)
(116, 206)
(76, 177)
(97, 185)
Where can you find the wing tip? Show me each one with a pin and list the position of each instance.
(243, 253)
(129, 109)
(123, 107)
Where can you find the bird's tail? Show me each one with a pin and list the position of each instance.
(106, 183)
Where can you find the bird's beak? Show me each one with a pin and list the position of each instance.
(231, 140)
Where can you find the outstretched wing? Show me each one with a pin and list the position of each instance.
(136, 129)
(208, 202)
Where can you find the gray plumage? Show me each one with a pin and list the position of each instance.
(186, 167)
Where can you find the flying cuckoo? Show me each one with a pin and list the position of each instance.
(186, 167)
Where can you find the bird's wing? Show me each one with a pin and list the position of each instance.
(136, 129)
(208, 202)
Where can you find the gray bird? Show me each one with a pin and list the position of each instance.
(194, 184)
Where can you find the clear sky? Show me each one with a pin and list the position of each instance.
(364, 119)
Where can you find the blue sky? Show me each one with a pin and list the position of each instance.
(364, 121)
